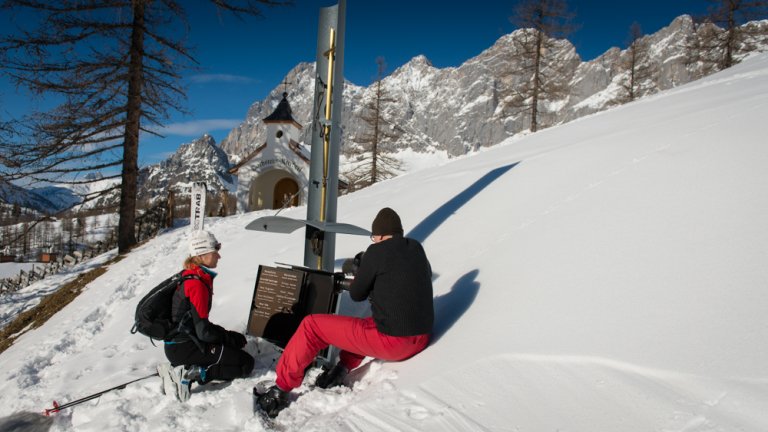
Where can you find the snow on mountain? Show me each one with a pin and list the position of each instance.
(12, 194)
(198, 161)
(55, 197)
(456, 110)
(446, 112)
(59, 197)
(604, 275)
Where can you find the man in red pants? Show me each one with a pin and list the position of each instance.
(394, 274)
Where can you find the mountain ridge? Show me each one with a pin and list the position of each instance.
(456, 109)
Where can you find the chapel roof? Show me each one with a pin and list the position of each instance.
(282, 113)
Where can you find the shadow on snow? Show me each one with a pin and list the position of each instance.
(450, 306)
(426, 227)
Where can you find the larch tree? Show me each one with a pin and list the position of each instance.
(722, 36)
(636, 64)
(372, 164)
(114, 69)
(539, 74)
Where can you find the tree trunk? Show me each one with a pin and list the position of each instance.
(633, 60)
(730, 35)
(536, 81)
(375, 146)
(127, 226)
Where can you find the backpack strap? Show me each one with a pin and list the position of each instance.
(182, 326)
(193, 276)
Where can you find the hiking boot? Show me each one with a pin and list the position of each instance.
(178, 381)
(165, 371)
(189, 375)
(273, 401)
(332, 378)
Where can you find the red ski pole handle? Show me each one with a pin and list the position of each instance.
(52, 410)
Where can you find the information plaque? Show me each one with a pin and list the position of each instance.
(276, 309)
(283, 296)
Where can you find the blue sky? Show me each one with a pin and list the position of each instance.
(242, 61)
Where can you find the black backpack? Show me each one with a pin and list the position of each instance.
(153, 313)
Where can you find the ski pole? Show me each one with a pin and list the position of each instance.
(57, 407)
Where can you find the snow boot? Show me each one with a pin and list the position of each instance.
(165, 370)
(273, 401)
(332, 378)
(188, 375)
(178, 380)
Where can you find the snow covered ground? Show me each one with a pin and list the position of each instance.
(14, 303)
(606, 275)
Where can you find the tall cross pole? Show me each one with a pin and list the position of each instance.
(330, 54)
(320, 245)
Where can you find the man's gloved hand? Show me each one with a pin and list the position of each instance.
(234, 339)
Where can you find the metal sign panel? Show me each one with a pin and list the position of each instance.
(276, 305)
(282, 297)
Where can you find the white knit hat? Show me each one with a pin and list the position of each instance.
(202, 242)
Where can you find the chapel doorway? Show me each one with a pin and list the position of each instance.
(286, 193)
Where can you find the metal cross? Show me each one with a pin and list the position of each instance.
(285, 85)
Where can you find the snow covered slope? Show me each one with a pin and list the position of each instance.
(606, 275)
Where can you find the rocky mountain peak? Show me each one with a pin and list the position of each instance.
(200, 160)
(453, 110)
(419, 62)
(457, 109)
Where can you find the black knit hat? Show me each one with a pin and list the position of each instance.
(387, 222)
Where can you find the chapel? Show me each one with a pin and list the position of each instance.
(276, 174)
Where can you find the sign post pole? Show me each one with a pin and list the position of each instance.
(197, 206)
(319, 248)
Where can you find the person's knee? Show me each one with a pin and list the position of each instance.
(308, 321)
(308, 326)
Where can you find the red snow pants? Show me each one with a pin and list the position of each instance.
(357, 338)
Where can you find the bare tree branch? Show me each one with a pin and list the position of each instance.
(539, 76)
(722, 38)
(373, 165)
(116, 66)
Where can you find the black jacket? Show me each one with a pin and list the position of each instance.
(396, 276)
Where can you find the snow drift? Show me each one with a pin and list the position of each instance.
(605, 275)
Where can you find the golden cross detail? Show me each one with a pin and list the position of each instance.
(330, 53)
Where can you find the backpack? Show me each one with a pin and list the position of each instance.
(153, 313)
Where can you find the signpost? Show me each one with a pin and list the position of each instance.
(197, 206)
(321, 226)
(320, 245)
(283, 296)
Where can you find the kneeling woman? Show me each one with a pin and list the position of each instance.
(201, 351)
